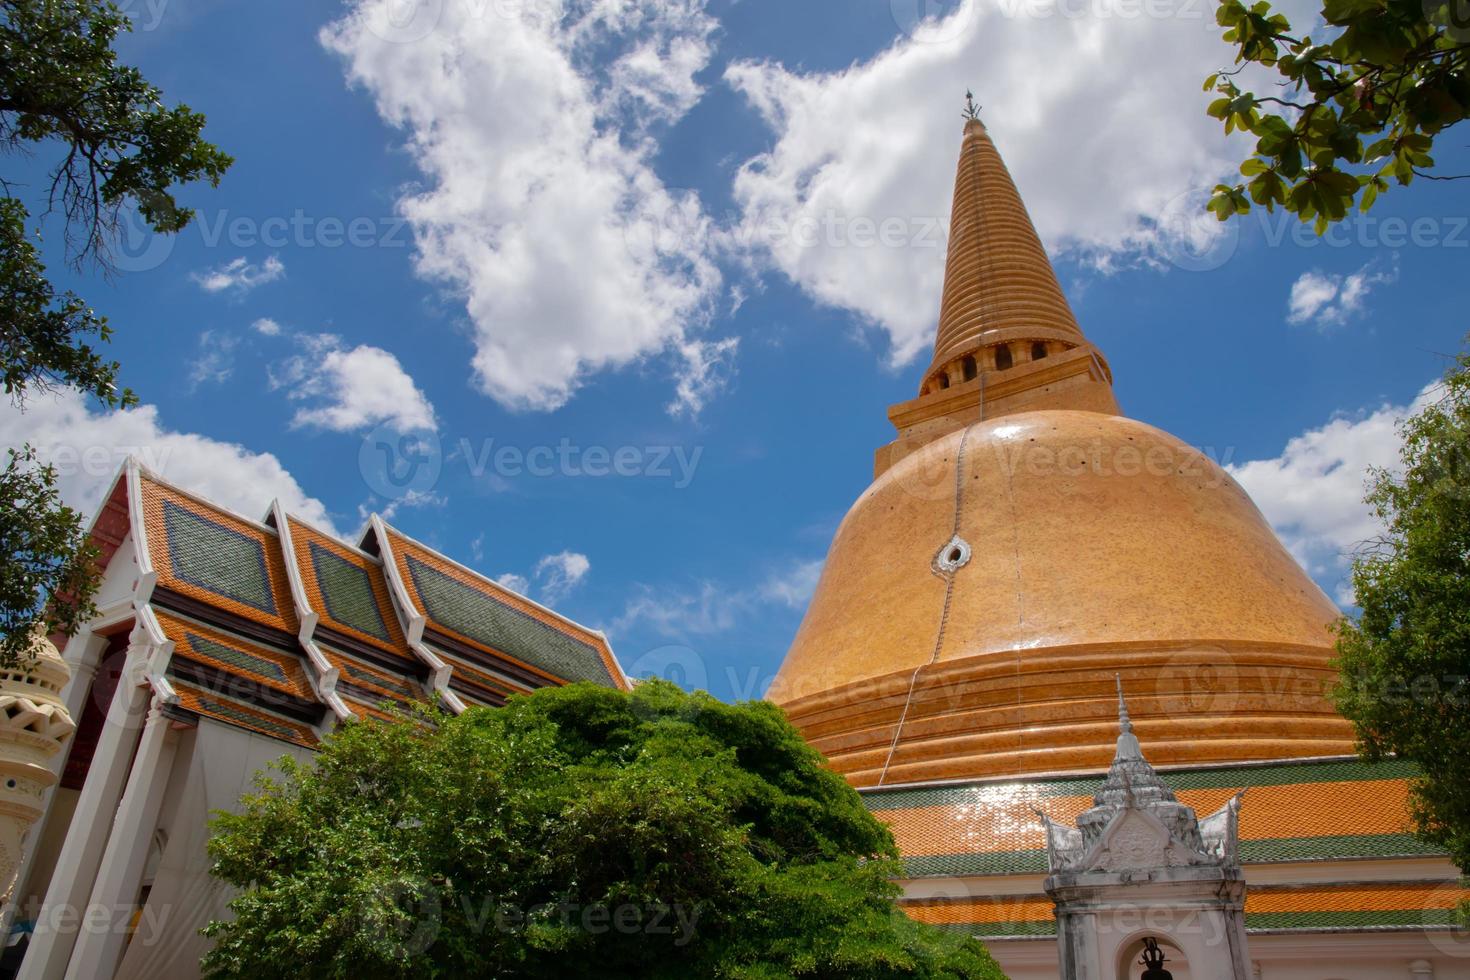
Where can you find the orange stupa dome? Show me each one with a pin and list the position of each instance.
(1023, 542)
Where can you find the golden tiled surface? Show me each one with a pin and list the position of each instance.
(1097, 545)
(1169, 576)
(998, 281)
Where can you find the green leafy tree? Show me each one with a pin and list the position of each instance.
(117, 146)
(578, 832)
(50, 557)
(1405, 660)
(1352, 110)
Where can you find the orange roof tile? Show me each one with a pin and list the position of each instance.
(239, 657)
(1350, 906)
(394, 687)
(245, 716)
(347, 589)
(208, 554)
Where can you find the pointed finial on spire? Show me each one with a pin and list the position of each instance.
(972, 111)
(1128, 747)
(1125, 724)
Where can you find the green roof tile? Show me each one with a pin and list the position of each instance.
(348, 592)
(220, 559)
(1350, 919)
(482, 617)
(247, 662)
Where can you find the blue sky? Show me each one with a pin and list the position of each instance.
(604, 236)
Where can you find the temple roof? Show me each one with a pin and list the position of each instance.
(1296, 811)
(282, 629)
(480, 614)
(1316, 811)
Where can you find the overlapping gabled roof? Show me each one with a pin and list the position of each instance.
(280, 628)
(517, 635)
(235, 656)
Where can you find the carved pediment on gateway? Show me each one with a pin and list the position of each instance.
(1134, 841)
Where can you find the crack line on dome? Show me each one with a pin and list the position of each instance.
(959, 493)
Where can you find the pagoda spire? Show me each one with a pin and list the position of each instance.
(1007, 340)
(999, 284)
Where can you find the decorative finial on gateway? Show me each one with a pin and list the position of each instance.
(1128, 747)
(972, 111)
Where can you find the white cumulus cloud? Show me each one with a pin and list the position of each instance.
(240, 275)
(1327, 300)
(1095, 106)
(87, 447)
(530, 125)
(351, 390)
(267, 327)
(1313, 492)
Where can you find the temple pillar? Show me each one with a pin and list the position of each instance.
(64, 908)
(101, 940)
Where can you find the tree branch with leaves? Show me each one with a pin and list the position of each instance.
(117, 145)
(1353, 114)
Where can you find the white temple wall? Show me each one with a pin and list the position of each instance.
(215, 771)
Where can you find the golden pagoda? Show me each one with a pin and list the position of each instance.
(1026, 552)
(1023, 541)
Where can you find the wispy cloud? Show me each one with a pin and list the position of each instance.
(552, 579)
(239, 275)
(711, 608)
(266, 327)
(215, 360)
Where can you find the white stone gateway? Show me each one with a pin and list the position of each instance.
(1144, 889)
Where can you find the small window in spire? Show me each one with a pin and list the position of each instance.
(944, 381)
(967, 367)
(1002, 357)
(1038, 349)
